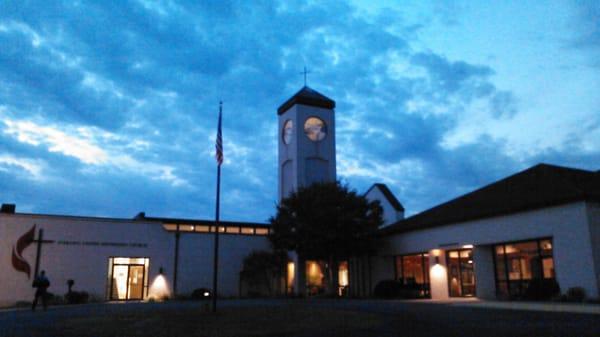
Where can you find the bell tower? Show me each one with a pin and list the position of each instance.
(306, 138)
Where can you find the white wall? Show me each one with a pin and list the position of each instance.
(196, 261)
(593, 211)
(566, 224)
(483, 264)
(87, 263)
(390, 215)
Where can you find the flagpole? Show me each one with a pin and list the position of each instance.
(219, 157)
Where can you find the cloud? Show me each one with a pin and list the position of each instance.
(86, 145)
(117, 101)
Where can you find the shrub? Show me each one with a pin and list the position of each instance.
(77, 297)
(541, 290)
(575, 294)
(395, 289)
(387, 289)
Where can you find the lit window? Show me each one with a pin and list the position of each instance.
(170, 227)
(247, 230)
(262, 231)
(202, 229)
(235, 230)
(186, 228)
(315, 129)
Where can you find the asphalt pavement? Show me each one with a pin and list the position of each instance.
(402, 318)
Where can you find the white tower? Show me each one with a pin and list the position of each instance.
(306, 141)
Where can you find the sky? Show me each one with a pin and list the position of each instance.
(110, 108)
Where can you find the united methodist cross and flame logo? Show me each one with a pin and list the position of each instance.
(18, 261)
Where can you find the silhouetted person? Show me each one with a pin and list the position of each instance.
(41, 283)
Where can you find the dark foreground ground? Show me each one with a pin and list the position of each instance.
(281, 318)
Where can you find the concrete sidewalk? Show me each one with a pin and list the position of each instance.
(576, 308)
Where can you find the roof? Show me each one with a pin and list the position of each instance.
(142, 216)
(307, 96)
(540, 186)
(389, 196)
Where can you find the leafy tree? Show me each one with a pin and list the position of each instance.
(261, 268)
(326, 221)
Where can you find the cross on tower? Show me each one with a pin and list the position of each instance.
(304, 73)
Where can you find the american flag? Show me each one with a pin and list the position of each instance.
(219, 143)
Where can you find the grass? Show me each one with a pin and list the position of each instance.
(229, 322)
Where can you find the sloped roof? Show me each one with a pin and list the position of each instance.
(540, 186)
(307, 96)
(390, 197)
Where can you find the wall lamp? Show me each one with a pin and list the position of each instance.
(437, 259)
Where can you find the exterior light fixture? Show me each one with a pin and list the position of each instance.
(437, 259)
(160, 271)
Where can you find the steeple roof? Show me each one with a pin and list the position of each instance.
(307, 96)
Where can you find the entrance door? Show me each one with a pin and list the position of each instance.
(461, 276)
(127, 278)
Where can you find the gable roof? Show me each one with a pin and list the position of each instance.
(540, 186)
(307, 96)
(389, 196)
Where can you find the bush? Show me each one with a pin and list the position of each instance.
(575, 294)
(395, 289)
(77, 297)
(201, 294)
(541, 290)
(387, 289)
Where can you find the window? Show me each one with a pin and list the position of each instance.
(247, 230)
(262, 231)
(232, 230)
(202, 229)
(518, 263)
(413, 271)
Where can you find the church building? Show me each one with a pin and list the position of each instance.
(539, 224)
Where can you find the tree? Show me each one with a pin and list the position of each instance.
(326, 221)
(262, 268)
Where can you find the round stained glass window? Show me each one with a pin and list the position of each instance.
(315, 129)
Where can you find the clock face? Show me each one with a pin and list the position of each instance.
(288, 130)
(315, 129)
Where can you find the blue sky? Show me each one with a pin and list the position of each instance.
(110, 108)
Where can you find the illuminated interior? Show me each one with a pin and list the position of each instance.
(412, 271)
(518, 263)
(127, 278)
(461, 274)
(343, 278)
(315, 278)
(291, 274)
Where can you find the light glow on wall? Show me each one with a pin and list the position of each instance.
(159, 290)
(437, 272)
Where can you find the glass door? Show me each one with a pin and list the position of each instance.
(127, 279)
(136, 282)
(461, 275)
